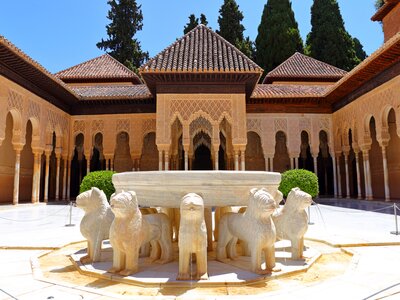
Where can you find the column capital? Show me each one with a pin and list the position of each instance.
(18, 147)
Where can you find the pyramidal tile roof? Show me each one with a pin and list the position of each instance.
(303, 67)
(135, 91)
(104, 67)
(201, 50)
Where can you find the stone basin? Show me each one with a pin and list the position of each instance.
(217, 188)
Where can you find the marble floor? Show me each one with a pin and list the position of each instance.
(372, 271)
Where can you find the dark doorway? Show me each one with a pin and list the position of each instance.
(202, 159)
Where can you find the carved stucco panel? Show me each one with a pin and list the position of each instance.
(79, 126)
(97, 126)
(123, 125)
(214, 108)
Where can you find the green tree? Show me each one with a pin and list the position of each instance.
(231, 28)
(203, 20)
(379, 4)
(360, 53)
(126, 20)
(328, 40)
(193, 22)
(229, 20)
(278, 35)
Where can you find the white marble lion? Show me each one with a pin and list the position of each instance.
(291, 221)
(254, 227)
(95, 225)
(130, 230)
(192, 237)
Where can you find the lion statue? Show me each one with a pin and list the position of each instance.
(254, 227)
(192, 237)
(130, 230)
(291, 221)
(95, 225)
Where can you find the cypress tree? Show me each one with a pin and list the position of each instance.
(278, 35)
(193, 22)
(360, 53)
(231, 28)
(328, 40)
(203, 20)
(126, 20)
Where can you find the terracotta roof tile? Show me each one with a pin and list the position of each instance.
(24, 64)
(137, 91)
(102, 67)
(201, 50)
(384, 10)
(289, 91)
(300, 66)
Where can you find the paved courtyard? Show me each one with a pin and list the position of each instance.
(28, 231)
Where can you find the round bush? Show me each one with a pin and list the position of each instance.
(99, 179)
(305, 180)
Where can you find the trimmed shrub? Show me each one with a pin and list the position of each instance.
(305, 180)
(99, 179)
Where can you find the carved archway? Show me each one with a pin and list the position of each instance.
(254, 152)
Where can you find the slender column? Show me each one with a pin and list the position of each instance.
(186, 161)
(112, 164)
(88, 163)
(160, 160)
(166, 160)
(291, 163)
(236, 160)
(216, 162)
(339, 177)
(266, 159)
(107, 164)
(358, 176)
(39, 175)
(335, 191)
(16, 175)
(346, 165)
(137, 164)
(243, 160)
(64, 183)
(34, 177)
(46, 178)
(315, 164)
(272, 164)
(367, 175)
(385, 174)
(58, 158)
(296, 162)
(69, 178)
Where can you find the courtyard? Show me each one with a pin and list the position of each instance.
(360, 259)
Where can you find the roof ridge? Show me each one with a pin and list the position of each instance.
(80, 64)
(103, 66)
(179, 41)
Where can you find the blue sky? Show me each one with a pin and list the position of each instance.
(62, 33)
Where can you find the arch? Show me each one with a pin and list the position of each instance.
(202, 152)
(17, 119)
(26, 166)
(198, 114)
(122, 153)
(281, 160)
(324, 165)
(385, 115)
(254, 152)
(376, 162)
(7, 162)
(97, 161)
(305, 157)
(393, 155)
(78, 164)
(149, 157)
